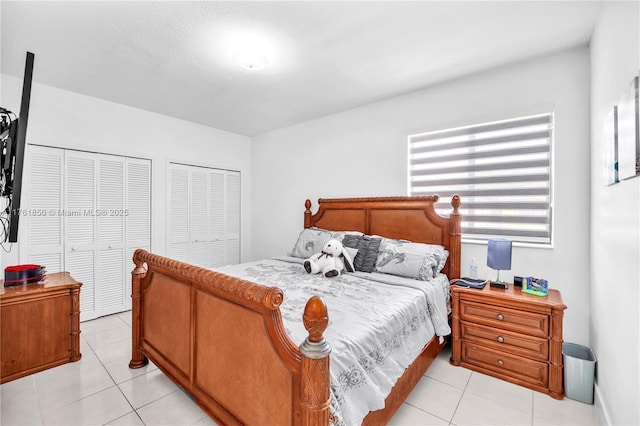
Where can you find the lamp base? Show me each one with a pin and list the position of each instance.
(498, 284)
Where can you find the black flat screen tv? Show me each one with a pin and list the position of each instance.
(13, 133)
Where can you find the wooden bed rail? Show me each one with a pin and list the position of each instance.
(192, 302)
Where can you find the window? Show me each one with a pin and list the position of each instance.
(501, 170)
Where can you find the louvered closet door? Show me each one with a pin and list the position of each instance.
(138, 214)
(110, 210)
(224, 217)
(79, 224)
(178, 217)
(204, 218)
(88, 212)
(232, 222)
(217, 213)
(198, 218)
(43, 223)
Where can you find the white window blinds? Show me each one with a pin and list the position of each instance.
(501, 170)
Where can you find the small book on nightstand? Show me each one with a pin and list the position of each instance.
(470, 282)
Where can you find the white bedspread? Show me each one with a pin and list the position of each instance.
(378, 324)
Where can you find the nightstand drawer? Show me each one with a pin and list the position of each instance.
(508, 366)
(502, 340)
(530, 323)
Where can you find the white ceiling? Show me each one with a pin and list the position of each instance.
(172, 57)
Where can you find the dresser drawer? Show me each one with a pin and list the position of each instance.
(530, 323)
(508, 341)
(508, 366)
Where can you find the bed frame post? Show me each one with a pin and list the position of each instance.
(315, 398)
(456, 343)
(138, 360)
(307, 214)
(455, 235)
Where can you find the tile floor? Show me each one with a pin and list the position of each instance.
(100, 389)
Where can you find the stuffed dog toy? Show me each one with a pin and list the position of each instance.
(331, 261)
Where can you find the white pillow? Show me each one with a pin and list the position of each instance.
(351, 252)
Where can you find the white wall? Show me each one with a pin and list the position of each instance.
(615, 224)
(362, 152)
(70, 120)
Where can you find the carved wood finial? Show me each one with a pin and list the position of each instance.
(455, 202)
(315, 399)
(307, 213)
(315, 318)
(140, 264)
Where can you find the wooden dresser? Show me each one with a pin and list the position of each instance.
(510, 335)
(40, 325)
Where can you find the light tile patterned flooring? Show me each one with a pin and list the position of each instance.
(101, 389)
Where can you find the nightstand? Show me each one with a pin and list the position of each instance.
(510, 335)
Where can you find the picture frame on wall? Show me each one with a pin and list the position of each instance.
(611, 147)
(628, 130)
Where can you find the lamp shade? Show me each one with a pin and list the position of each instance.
(499, 254)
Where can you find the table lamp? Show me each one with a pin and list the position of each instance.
(499, 255)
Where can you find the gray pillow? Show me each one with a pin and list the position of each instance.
(367, 246)
(311, 240)
(411, 260)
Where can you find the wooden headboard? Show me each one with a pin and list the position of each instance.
(408, 218)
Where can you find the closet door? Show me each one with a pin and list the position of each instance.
(224, 213)
(203, 223)
(217, 217)
(178, 234)
(44, 208)
(88, 213)
(232, 218)
(198, 215)
(80, 226)
(110, 254)
(138, 214)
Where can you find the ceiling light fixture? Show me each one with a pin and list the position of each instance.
(251, 59)
(250, 49)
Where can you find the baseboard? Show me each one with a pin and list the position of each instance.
(601, 409)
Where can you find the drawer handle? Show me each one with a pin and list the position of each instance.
(500, 363)
(500, 317)
(500, 339)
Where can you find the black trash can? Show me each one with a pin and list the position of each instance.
(579, 371)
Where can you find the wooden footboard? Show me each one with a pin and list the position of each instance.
(222, 340)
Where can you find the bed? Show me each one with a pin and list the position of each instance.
(226, 339)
